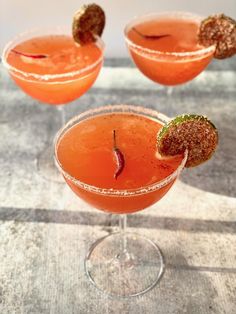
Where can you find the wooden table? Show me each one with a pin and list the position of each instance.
(45, 230)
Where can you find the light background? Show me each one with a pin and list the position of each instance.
(20, 15)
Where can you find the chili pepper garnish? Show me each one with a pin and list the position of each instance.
(154, 37)
(29, 55)
(120, 160)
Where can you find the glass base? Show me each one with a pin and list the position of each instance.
(126, 271)
(47, 167)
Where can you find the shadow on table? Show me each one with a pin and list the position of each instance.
(191, 287)
(108, 221)
(218, 175)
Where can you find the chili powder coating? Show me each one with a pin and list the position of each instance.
(188, 132)
(219, 30)
(88, 23)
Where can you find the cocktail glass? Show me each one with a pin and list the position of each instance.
(62, 77)
(121, 264)
(176, 57)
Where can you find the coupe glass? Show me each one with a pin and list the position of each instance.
(54, 89)
(163, 67)
(121, 264)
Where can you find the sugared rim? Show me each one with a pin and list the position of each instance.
(46, 77)
(149, 113)
(157, 53)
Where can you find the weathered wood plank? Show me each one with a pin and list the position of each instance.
(42, 272)
(44, 236)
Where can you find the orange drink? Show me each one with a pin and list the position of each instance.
(108, 157)
(85, 152)
(165, 47)
(49, 66)
(89, 151)
(65, 73)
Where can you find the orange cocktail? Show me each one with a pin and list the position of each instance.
(85, 152)
(165, 47)
(67, 71)
(124, 263)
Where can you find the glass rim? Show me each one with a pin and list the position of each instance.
(46, 77)
(122, 108)
(198, 52)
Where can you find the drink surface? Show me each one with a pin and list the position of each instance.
(85, 151)
(63, 55)
(182, 34)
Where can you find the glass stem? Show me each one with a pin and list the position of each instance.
(61, 111)
(169, 91)
(122, 227)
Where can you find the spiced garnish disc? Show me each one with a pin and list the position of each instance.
(88, 23)
(219, 30)
(194, 133)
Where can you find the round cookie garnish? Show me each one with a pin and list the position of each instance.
(190, 132)
(219, 30)
(88, 23)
